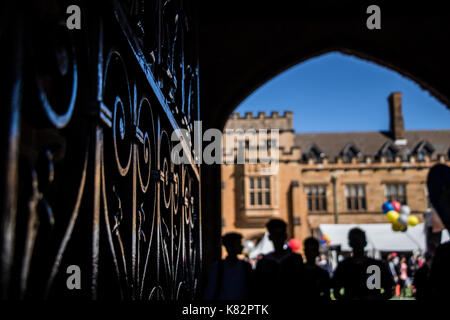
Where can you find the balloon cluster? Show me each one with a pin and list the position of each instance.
(400, 216)
(325, 239)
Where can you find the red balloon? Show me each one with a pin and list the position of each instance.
(294, 244)
(397, 205)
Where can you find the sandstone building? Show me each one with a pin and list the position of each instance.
(327, 177)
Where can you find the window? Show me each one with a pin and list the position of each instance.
(316, 198)
(350, 151)
(356, 197)
(389, 151)
(314, 152)
(423, 149)
(259, 191)
(396, 191)
(272, 143)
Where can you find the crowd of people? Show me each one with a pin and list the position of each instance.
(283, 275)
(403, 270)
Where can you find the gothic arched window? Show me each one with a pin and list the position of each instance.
(423, 149)
(389, 151)
(350, 151)
(314, 152)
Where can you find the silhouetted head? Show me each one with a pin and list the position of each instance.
(277, 233)
(438, 183)
(233, 243)
(311, 246)
(357, 239)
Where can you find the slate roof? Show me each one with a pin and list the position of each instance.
(370, 143)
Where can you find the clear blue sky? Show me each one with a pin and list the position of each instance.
(338, 92)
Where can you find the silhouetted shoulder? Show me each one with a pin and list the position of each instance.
(344, 263)
(376, 262)
(316, 272)
(440, 272)
(264, 264)
(322, 272)
(296, 257)
(444, 249)
(441, 260)
(362, 261)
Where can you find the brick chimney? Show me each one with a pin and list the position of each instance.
(397, 126)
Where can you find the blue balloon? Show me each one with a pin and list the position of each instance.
(387, 206)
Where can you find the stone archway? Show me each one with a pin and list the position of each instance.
(242, 48)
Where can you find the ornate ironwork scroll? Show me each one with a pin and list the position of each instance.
(91, 180)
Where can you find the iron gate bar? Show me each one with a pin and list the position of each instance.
(133, 228)
(140, 58)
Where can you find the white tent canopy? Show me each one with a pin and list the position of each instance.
(264, 246)
(380, 237)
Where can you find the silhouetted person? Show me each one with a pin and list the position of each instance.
(279, 274)
(421, 279)
(352, 274)
(423, 282)
(440, 273)
(403, 278)
(325, 265)
(231, 278)
(438, 183)
(316, 283)
(392, 268)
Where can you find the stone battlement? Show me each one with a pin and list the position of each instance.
(262, 115)
(261, 121)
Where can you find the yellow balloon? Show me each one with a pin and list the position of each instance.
(397, 227)
(412, 221)
(392, 216)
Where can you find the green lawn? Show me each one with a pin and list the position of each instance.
(408, 295)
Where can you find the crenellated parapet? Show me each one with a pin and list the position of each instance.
(261, 121)
(358, 149)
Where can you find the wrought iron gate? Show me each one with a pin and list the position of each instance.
(87, 173)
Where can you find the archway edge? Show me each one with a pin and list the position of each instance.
(271, 74)
(240, 50)
(237, 57)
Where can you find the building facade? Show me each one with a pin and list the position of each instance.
(326, 177)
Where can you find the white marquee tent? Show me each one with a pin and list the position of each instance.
(264, 246)
(380, 237)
